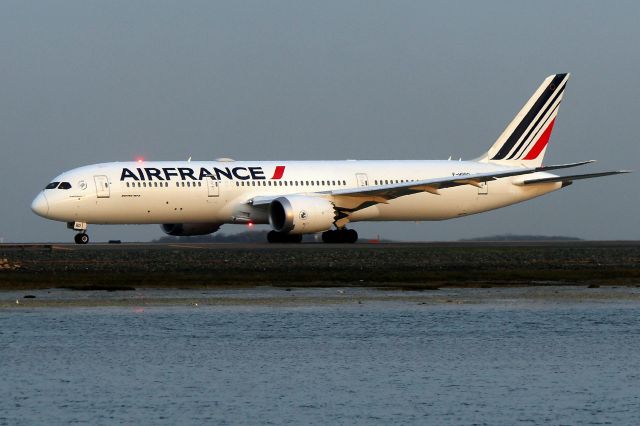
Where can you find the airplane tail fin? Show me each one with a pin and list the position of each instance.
(524, 141)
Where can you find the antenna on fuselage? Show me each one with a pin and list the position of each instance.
(189, 160)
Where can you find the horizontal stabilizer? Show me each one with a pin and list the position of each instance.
(569, 179)
(563, 166)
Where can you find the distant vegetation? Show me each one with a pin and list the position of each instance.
(512, 237)
(242, 237)
(260, 236)
(257, 236)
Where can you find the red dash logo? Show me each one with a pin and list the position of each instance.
(278, 172)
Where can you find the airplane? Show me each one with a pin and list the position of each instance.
(307, 197)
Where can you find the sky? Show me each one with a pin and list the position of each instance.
(84, 82)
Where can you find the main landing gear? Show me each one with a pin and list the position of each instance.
(340, 236)
(281, 237)
(81, 238)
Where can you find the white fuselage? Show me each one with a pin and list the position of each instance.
(219, 192)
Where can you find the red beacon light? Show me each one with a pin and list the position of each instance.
(139, 160)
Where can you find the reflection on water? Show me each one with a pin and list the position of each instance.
(378, 362)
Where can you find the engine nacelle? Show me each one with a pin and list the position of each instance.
(189, 229)
(299, 214)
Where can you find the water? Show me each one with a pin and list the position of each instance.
(395, 361)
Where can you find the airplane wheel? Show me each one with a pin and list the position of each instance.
(272, 237)
(329, 237)
(340, 236)
(279, 237)
(81, 238)
(294, 238)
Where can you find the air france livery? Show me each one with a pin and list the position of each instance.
(304, 197)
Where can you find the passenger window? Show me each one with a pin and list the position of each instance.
(344, 182)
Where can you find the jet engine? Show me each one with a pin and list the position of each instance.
(299, 214)
(189, 229)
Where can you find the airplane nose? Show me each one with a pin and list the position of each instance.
(40, 206)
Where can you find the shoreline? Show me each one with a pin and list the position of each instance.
(274, 297)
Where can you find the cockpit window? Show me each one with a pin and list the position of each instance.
(52, 185)
(65, 185)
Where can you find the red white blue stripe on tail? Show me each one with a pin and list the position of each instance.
(525, 139)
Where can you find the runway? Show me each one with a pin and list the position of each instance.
(407, 266)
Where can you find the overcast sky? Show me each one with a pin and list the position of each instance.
(84, 82)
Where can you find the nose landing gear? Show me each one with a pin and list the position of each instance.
(81, 238)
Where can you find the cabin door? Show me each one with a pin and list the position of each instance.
(483, 189)
(102, 186)
(362, 178)
(214, 187)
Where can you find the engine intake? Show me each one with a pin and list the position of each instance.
(299, 214)
(189, 229)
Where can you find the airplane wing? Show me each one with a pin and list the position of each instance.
(351, 199)
(569, 179)
(383, 193)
